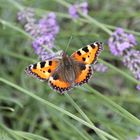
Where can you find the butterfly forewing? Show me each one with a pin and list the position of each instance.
(43, 69)
(88, 54)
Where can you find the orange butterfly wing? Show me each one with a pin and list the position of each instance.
(48, 70)
(42, 70)
(84, 75)
(58, 84)
(88, 54)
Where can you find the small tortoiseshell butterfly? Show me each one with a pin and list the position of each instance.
(69, 71)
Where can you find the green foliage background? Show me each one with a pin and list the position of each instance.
(108, 108)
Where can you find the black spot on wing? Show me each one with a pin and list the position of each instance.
(55, 76)
(35, 65)
(92, 45)
(50, 63)
(85, 49)
(42, 64)
(78, 52)
(83, 58)
(58, 89)
(49, 70)
(82, 66)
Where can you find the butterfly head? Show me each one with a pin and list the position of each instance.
(66, 60)
(64, 54)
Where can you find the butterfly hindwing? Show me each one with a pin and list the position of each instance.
(57, 83)
(84, 75)
(88, 54)
(43, 69)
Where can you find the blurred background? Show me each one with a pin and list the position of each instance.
(30, 109)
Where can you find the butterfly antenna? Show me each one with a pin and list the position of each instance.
(68, 43)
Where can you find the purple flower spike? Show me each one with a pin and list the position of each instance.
(25, 16)
(138, 87)
(48, 29)
(73, 12)
(73, 9)
(84, 8)
(48, 25)
(120, 41)
(121, 44)
(43, 31)
(131, 59)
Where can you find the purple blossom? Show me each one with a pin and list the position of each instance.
(39, 45)
(45, 26)
(43, 31)
(138, 87)
(48, 25)
(73, 9)
(32, 29)
(121, 44)
(131, 59)
(100, 67)
(138, 138)
(25, 16)
(120, 41)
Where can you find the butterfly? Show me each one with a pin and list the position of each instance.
(69, 71)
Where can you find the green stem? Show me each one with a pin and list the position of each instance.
(78, 108)
(77, 130)
(124, 113)
(87, 17)
(27, 135)
(97, 23)
(16, 4)
(17, 56)
(11, 135)
(14, 27)
(106, 25)
(57, 108)
(63, 15)
(83, 114)
(120, 71)
(7, 108)
(64, 3)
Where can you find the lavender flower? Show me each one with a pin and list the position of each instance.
(43, 31)
(100, 67)
(138, 138)
(131, 59)
(121, 44)
(48, 25)
(32, 29)
(73, 9)
(120, 41)
(39, 46)
(25, 16)
(138, 87)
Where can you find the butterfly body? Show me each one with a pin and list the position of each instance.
(67, 68)
(69, 71)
